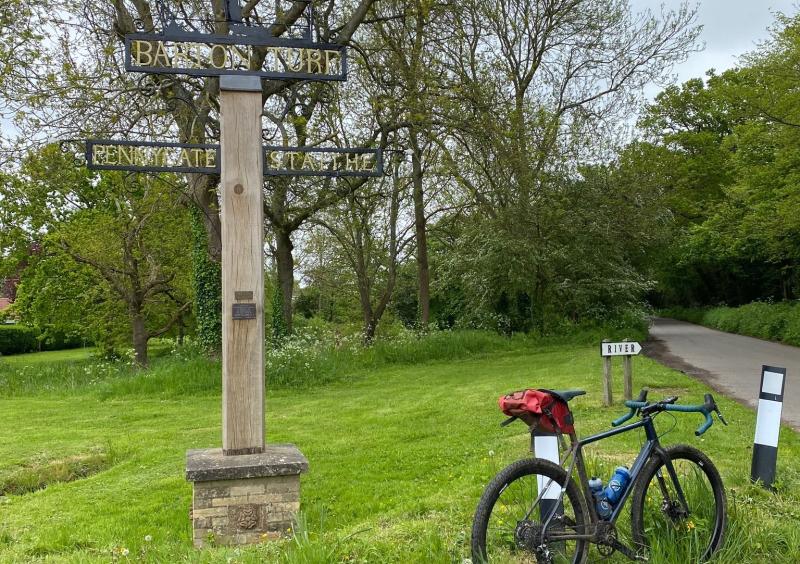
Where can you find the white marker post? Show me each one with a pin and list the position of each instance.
(768, 425)
(626, 349)
(545, 445)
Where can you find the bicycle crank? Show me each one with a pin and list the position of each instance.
(608, 543)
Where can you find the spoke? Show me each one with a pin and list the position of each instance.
(686, 527)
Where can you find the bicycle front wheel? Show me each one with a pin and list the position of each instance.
(679, 518)
(514, 523)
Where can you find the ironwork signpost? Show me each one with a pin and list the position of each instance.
(248, 490)
(148, 156)
(247, 50)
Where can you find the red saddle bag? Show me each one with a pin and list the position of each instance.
(538, 408)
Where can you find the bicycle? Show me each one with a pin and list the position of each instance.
(533, 510)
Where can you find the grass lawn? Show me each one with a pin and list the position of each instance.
(29, 359)
(399, 456)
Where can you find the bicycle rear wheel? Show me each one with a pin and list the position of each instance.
(663, 527)
(509, 521)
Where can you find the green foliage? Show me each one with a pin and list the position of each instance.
(106, 253)
(61, 297)
(15, 339)
(207, 281)
(574, 264)
(725, 155)
(771, 321)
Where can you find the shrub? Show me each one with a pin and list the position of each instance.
(16, 339)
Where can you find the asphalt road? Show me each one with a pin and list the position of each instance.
(731, 364)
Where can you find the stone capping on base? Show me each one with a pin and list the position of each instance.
(206, 465)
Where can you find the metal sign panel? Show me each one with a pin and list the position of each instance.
(314, 161)
(243, 311)
(216, 55)
(147, 156)
(620, 349)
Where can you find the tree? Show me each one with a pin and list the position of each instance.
(76, 87)
(406, 74)
(116, 241)
(724, 154)
(536, 88)
(373, 241)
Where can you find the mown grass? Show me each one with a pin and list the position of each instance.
(399, 455)
(771, 321)
(48, 357)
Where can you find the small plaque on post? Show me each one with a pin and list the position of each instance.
(244, 311)
(241, 296)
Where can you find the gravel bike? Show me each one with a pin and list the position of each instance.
(534, 511)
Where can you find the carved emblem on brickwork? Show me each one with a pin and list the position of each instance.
(246, 516)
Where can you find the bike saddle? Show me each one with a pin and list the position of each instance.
(565, 395)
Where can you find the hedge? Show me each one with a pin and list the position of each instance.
(17, 339)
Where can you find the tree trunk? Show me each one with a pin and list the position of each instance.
(285, 262)
(370, 327)
(139, 337)
(204, 194)
(420, 224)
(370, 323)
(181, 330)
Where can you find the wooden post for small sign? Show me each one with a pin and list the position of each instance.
(607, 393)
(626, 349)
(627, 375)
(242, 216)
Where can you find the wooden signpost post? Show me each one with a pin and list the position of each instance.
(242, 216)
(248, 490)
(626, 349)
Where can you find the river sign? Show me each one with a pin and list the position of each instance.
(620, 349)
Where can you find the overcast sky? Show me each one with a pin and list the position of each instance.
(730, 28)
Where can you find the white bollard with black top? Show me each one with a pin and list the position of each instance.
(545, 445)
(768, 425)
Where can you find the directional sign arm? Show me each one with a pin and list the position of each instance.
(625, 348)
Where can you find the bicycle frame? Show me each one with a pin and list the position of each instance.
(650, 448)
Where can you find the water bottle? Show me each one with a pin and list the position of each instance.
(604, 508)
(617, 485)
(595, 486)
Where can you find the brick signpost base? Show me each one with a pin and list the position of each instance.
(244, 499)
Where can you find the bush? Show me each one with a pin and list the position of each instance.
(16, 339)
(55, 341)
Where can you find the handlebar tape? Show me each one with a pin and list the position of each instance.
(704, 427)
(620, 420)
(704, 409)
